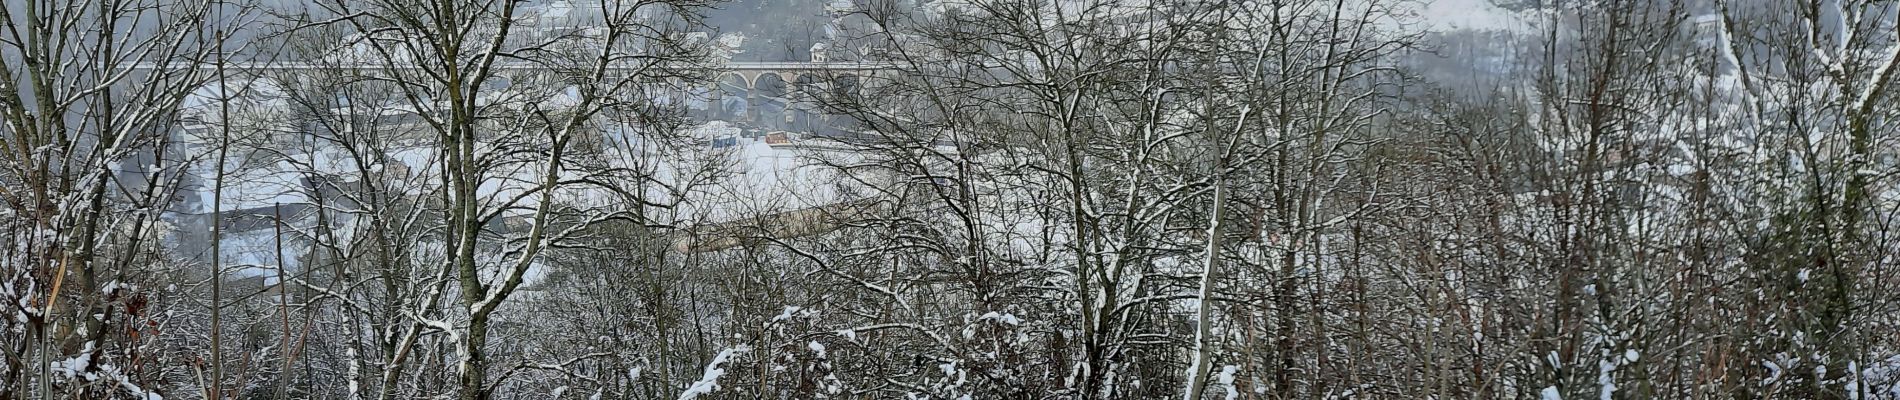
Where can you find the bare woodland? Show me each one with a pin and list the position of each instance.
(1021, 199)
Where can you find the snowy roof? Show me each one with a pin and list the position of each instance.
(248, 187)
(1478, 15)
(260, 93)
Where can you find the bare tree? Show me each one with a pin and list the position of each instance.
(514, 181)
(87, 177)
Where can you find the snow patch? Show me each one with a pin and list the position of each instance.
(1005, 318)
(77, 365)
(791, 312)
(1226, 378)
(1550, 393)
(816, 348)
(709, 382)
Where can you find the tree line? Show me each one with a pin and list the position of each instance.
(1065, 199)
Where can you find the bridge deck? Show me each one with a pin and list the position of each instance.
(731, 66)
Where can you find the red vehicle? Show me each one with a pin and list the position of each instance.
(778, 138)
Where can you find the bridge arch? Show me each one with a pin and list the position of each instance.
(809, 83)
(771, 85)
(732, 83)
(728, 93)
(744, 79)
(845, 85)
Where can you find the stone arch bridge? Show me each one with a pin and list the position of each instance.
(779, 78)
(748, 72)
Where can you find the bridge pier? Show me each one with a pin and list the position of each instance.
(751, 104)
